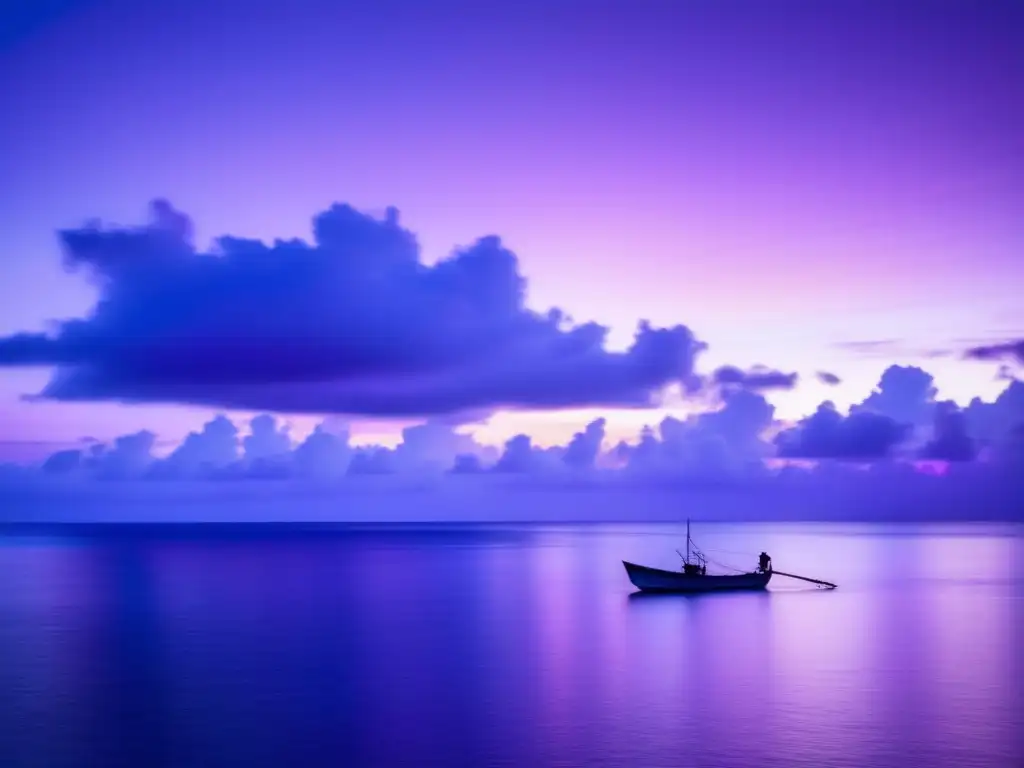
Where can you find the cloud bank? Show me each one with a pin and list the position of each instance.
(737, 440)
(734, 461)
(352, 323)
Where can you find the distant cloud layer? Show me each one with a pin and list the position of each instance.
(827, 434)
(902, 417)
(354, 323)
(736, 443)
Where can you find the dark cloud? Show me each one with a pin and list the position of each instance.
(434, 446)
(219, 450)
(354, 323)
(720, 443)
(371, 461)
(950, 439)
(63, 462)
(266, 440)
(758, 378)
(585, 446)
(828, 434)
(207, 452)
(991, 423)
(828, 378)
(1008, 350)
(130, 457)
(1011, 450)
(905, 394)
(324, 454)
(467, 464)
(521, 456)
(267, 449)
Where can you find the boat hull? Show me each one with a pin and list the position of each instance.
(657, 580)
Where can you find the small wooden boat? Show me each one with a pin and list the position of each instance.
(658, 580)
(694, 578)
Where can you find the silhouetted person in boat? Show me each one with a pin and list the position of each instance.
(764, 563)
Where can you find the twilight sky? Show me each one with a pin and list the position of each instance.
(790, 181)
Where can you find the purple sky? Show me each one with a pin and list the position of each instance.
(781, 177)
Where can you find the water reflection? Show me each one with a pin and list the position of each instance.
(497, 646)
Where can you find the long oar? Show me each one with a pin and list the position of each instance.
(828, 584)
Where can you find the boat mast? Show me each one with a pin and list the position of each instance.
(687, 541)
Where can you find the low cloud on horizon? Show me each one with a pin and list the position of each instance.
(737, 440)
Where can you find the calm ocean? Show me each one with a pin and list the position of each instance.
(512, 645)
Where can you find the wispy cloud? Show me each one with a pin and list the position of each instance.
(996, 351)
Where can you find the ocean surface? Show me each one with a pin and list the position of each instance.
(515, 645)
